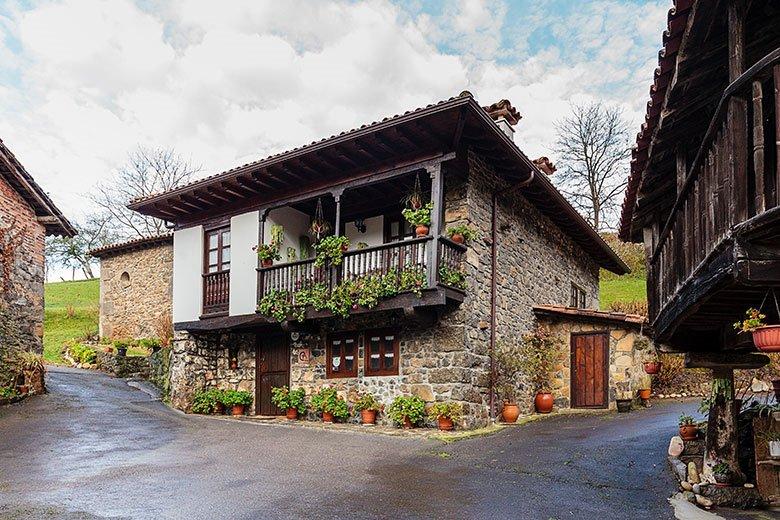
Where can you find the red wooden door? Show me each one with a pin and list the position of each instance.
(272, 369)
(590, 370)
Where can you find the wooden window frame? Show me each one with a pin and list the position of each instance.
(218, 231)
(388, 238)
(330, 374)
(396, 348)
(578, 297)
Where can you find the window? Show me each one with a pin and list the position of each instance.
(381, 353)
(125, 279)
(578, 296)
(218, 250)
(397, 229)
(342, 355)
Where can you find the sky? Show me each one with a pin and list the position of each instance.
(85, 82)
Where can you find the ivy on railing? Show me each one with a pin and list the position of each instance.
(452, 277)
(366, 291)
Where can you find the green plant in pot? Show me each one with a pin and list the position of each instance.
(292, 401)
(446, 414)
(461, 233)
(766, 338)
(369, 407)
(407, 410)
(507, 373)
(208, 401)
(267, 253)
(236, 401)
(689, 430)
(330, 250)
(540, 354)
(420, 218)
(328, 402)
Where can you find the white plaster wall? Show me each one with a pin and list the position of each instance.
(187, 274)
(374, 235)
(296, 223)
(244, 230)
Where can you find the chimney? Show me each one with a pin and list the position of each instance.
(545, 165)
(505, 116)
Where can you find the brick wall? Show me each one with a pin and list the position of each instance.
(22, 266)
(135, 291)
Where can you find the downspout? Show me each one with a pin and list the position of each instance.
(493, 284)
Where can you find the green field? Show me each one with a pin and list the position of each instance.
(71, 313)
(623, 288)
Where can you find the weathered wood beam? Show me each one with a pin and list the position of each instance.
(737, 360)
(736, 28)
(758, 147)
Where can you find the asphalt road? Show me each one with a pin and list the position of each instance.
(96, 448)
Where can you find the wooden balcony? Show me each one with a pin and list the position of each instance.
(216, 293)
(412, 254)
(718, 248)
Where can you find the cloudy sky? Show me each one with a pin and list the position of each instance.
(83, 82)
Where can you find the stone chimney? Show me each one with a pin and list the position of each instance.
(545, 165)
(505, 116)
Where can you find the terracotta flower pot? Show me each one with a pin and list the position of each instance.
(237, 409)
(767, 339)
(219, 409)
(292, 414)
(22, 389)
(267, 263)
(368, 416)
(644, 394)
(510, 413)
(458, 238)
(445, 424)
(421, 231)
(623, 405)
(407, 423)
(327, 417)
(689, 432)
(543, 402)
(652, 367)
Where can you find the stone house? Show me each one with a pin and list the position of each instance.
(433, 332)
(27, 216)
(136, 288)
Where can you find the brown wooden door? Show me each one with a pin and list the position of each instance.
(273, 369)
(590, 370)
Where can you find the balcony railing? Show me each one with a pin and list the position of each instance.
(216, 292)
(377, 261)
(734, 177)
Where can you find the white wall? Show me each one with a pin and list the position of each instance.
(244, 230)
(187, 274)
(374, 235)
(296, 223)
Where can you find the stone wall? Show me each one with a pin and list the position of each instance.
(123, 366)
(628, 350)
(135, 291)
(21, 267)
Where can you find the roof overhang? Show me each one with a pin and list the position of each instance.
(132, 245)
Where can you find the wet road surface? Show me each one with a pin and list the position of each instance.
(96, 448)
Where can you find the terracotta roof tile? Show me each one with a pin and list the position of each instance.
(128, 245)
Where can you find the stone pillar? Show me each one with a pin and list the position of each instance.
(722, 442)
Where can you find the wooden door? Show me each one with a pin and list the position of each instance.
(590, 370)
(272, 369)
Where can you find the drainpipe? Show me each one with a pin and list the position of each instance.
(493, 284)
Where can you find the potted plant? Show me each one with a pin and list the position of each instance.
(689, 430)
(766, 338)
(508, 370)
(461, 233)
(328, 402)
(267, 253)
(420, 218)
(652, 366)
(368, 406)
(447, 414)
(293, 401)
(540, 354)
(208, 401)
(407, 410)
(331, 250)
(721, 472)
(237, 401)
(121, 346)
(644, 391)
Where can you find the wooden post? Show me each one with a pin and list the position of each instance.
(722, 442)
(337, 197)
(776, 78)
(758, 146)
(260, 239)
(682, 167)
(736, 38)
(437, 197)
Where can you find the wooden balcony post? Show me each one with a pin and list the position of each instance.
(337, 197)
(776, 81)
(260, 239)
(758, 146)
(437, 197)
(736, 38)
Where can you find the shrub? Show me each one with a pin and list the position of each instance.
(7, 392)
(467, 232)
(411, 407)
(149, 343)
(452, 411)
(539, 353)
(205, 401)
(236, 397)
(163, 326)
(629, 307)
(81, 353)
(331, 250)
(328, 400)
(687, 420)
(367, 402)
(284, 398)
(125, 343)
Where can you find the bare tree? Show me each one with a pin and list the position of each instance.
(593, 151)
(73, 252)
(148, 171)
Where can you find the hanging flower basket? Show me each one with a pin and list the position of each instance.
(652, 367)
(767, 338)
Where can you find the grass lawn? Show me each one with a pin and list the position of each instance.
(622, 289)
(71, 312)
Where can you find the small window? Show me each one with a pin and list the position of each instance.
(218, 250)
(381, 354)
(124, 278)
(342, 355)
(397, 229)
(578, 297)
